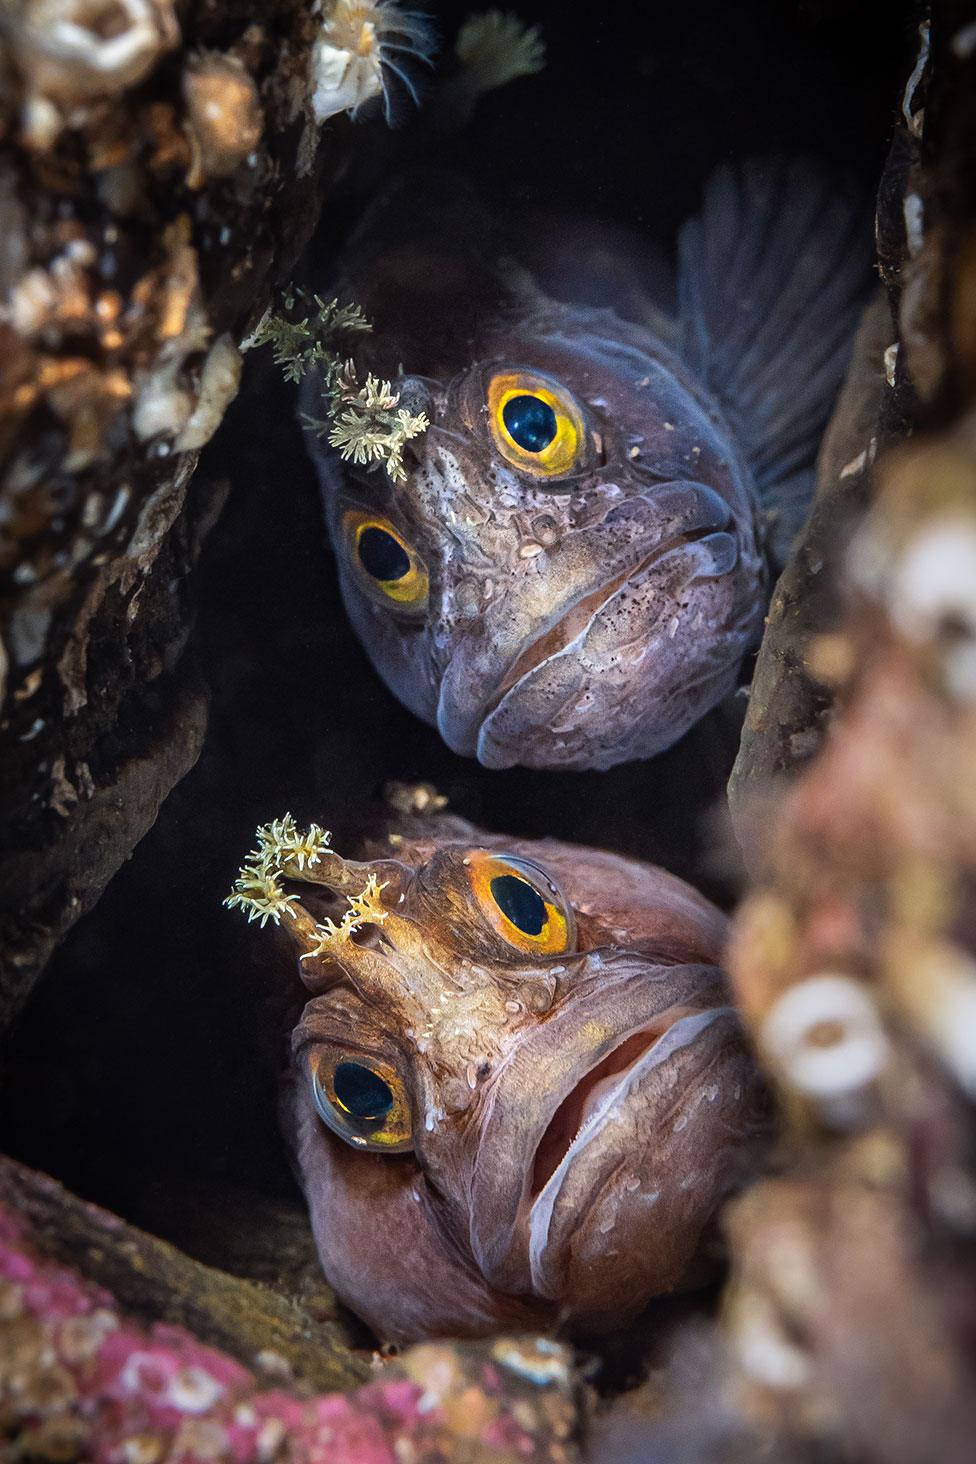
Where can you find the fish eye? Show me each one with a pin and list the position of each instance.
(536, 424)
(362, 1093)
(387, 568)
(521, 902)
(382, 556)
(530, 422)
(362, 1099)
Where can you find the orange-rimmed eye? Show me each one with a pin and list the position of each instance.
(536, 424)
(363, 1099)
(385, 564)
(521, 903)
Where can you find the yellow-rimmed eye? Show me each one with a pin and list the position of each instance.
(536, 425)
(363, 1099)
(521, 902)
(384, 562)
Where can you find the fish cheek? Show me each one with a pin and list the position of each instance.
(422, 1285)
(399, 648)
(401, 654)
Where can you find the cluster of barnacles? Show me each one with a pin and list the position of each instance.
(286, 852)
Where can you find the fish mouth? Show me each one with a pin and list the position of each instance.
(598, 1089)
(588, 1122)
(581, 613)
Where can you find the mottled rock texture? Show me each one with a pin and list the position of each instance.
(160, 171)
(114, 1374)
(847, 1325)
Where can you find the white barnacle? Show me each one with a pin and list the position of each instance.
(932, 597)
(75, 49)
(365, 48)
(191, 1390)
(825, 1037)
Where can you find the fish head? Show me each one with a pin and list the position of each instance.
(570, 572)
(544, 1036)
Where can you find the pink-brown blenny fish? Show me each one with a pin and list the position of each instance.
(574, 566)
(519, 1092)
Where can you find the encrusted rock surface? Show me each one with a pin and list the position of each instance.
(156, 1282)
(160, 171)
(847, 1326)
(913, 367)
(83, 1375)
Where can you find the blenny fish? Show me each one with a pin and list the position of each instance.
(518, 1090)
(576, 564)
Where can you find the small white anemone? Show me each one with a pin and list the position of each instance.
(367, 49)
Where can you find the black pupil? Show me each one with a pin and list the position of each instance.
(361, 1092)
(522, 905)
(381, 556)
(530, 422)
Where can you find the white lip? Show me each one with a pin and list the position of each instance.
(599, 1111)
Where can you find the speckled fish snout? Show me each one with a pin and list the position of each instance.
(573, 624)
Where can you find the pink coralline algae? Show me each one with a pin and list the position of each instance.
(80, 1379)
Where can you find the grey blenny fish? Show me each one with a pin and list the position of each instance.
(518, 1090)
(576, 564)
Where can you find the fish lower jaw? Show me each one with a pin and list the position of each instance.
(579, 616)
(592, 1105)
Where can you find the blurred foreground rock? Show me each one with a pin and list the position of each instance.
(109, 1351)
(848, 1324)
